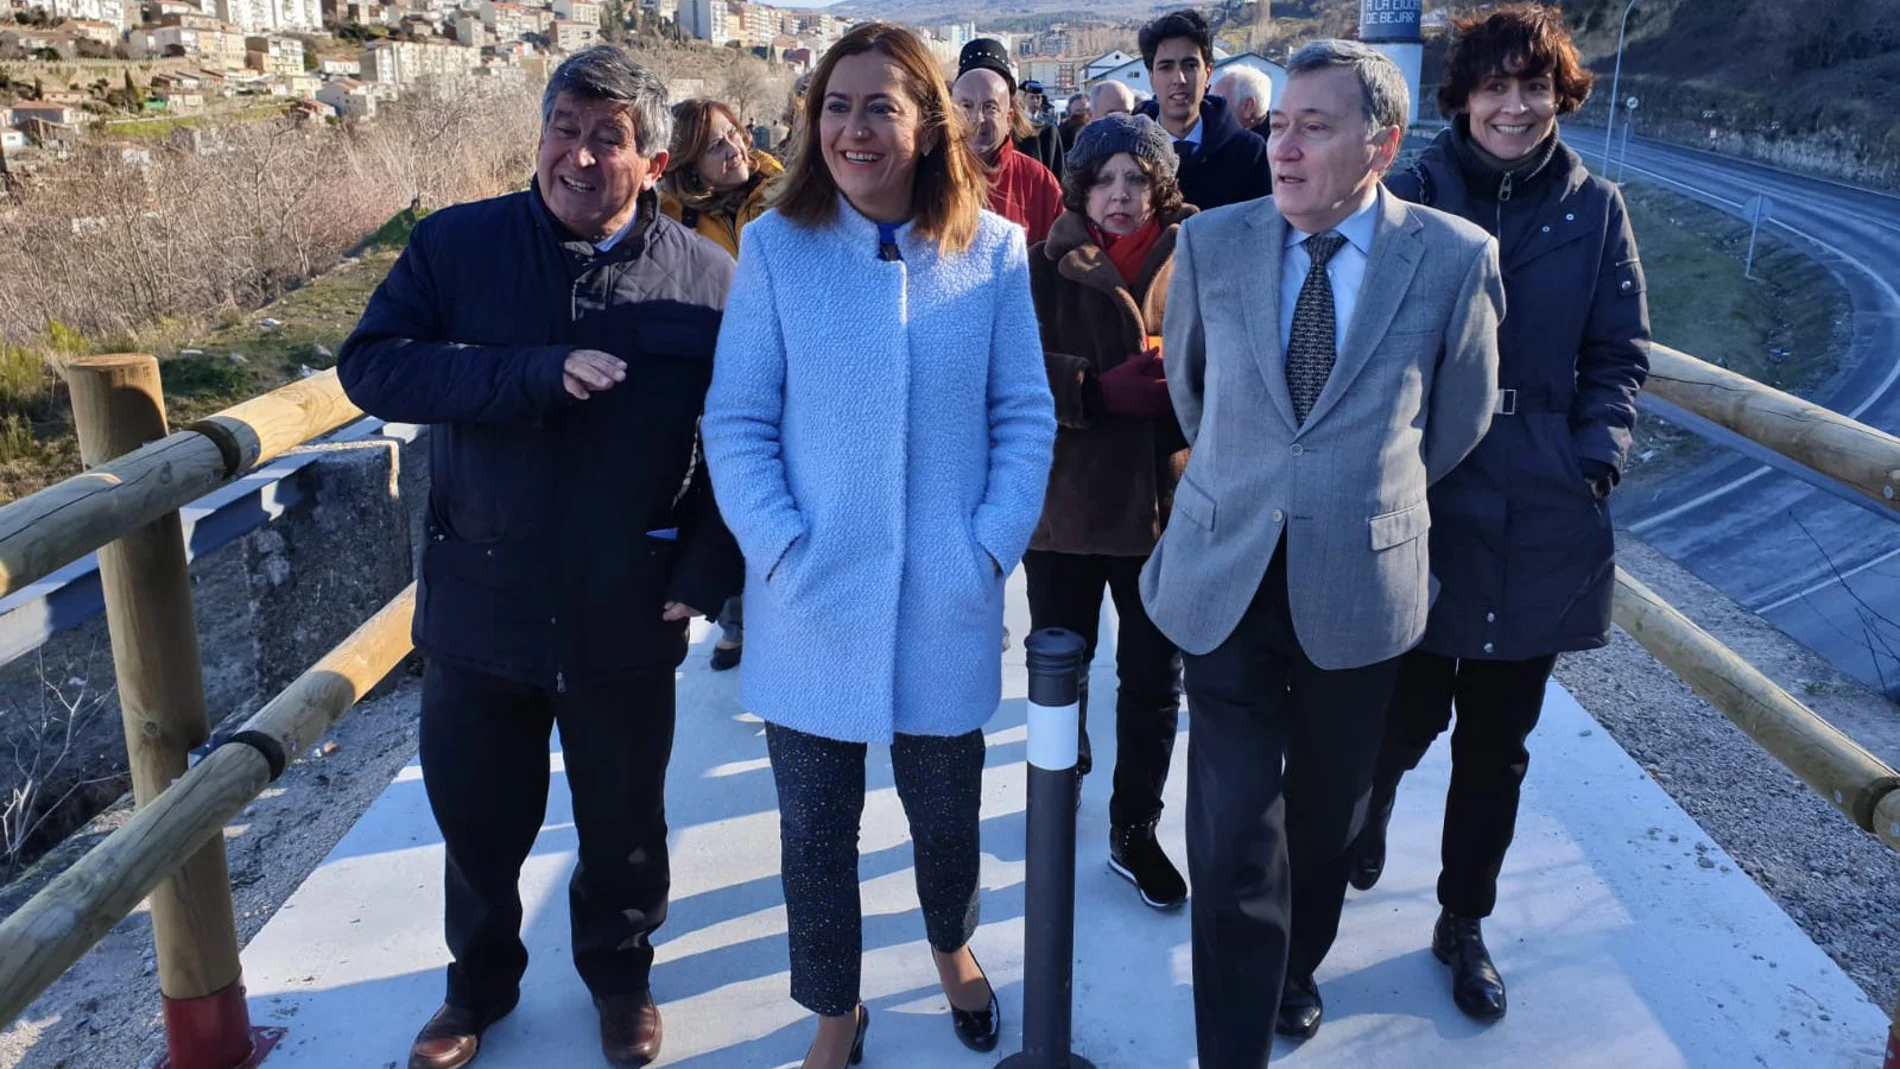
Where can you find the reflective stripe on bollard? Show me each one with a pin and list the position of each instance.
(1055, 665)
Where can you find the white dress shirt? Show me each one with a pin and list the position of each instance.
(1346, 270)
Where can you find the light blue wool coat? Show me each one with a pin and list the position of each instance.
(879, 436)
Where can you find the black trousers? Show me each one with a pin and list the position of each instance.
(485, 765)
(821, 802)
(1267, 842)
(1065, 590)
(1498, 706)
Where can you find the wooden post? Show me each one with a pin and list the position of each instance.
(43, 938)
(118, 407)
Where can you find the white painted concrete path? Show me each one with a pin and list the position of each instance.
(1622, 948)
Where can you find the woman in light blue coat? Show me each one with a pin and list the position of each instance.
(879, 433)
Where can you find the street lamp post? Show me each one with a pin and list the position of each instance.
(1616, 83)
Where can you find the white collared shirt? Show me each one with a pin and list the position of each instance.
(1194, 137)
(1346, 270)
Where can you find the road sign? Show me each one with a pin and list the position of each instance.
(1754, 211)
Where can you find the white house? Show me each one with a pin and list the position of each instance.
(585, 12)
(350, 98)
(1099, 67)
(574, 36)
(1134, 75)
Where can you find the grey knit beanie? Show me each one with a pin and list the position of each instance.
(1137, 135)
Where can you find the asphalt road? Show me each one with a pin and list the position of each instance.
(1819, 568)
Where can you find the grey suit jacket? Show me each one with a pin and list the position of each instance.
(1411, 393)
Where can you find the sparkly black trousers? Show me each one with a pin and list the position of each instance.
(821, 800)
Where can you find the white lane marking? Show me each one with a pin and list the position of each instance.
(1695, 503)
(1893, 373)
(1841, 577)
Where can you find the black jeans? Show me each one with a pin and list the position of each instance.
(821, 801)
(1498, 703)
(485, 765)
(1267, 842)
(1065, 590)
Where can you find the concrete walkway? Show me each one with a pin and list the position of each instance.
(1629, 940)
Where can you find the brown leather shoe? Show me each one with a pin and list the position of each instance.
(629, 1029)
(451, 1038)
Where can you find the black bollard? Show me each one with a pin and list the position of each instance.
(1055, 663)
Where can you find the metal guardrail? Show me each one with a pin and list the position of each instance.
(48, 530)
(72, 595)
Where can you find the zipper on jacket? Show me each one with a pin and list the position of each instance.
(1504, 194)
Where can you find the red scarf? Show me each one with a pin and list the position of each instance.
(1128, 252)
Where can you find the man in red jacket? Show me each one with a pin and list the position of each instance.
(1021, 189)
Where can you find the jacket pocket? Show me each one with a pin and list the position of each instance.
(1400, 526)
(1194, 503)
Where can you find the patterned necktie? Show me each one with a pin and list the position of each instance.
(1311, 348)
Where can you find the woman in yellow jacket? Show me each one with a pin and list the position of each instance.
(715, 185)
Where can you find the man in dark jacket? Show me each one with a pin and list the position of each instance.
(1221, 163)
(571, 534)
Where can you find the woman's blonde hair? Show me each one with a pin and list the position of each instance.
(951, 185)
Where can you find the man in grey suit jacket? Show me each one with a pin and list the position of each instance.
(1320, 402)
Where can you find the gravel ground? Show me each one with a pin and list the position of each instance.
(1832, 878)
(103, 1014)
(1827, 874)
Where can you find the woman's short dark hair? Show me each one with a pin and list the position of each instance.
(1518, 40)
(1163, 191)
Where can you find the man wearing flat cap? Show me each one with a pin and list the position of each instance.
(1043, 143)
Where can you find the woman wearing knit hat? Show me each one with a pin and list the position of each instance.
(1101, 284)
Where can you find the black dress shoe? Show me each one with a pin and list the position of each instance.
(1475, 984)
(726, 658)
(1300, 1008)
(1367, 862)
(979, 1030)
(857, 1045)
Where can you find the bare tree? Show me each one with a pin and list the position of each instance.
(751, 88)
(43, 750)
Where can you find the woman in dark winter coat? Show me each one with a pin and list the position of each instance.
(1521, 538)
(1101, 284)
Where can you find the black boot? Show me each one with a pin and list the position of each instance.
(1134, 853)
(1300, 1008)
(1475, 984)
(1368, 850)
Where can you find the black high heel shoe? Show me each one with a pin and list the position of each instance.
(857, 1045)
(979, 1030)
